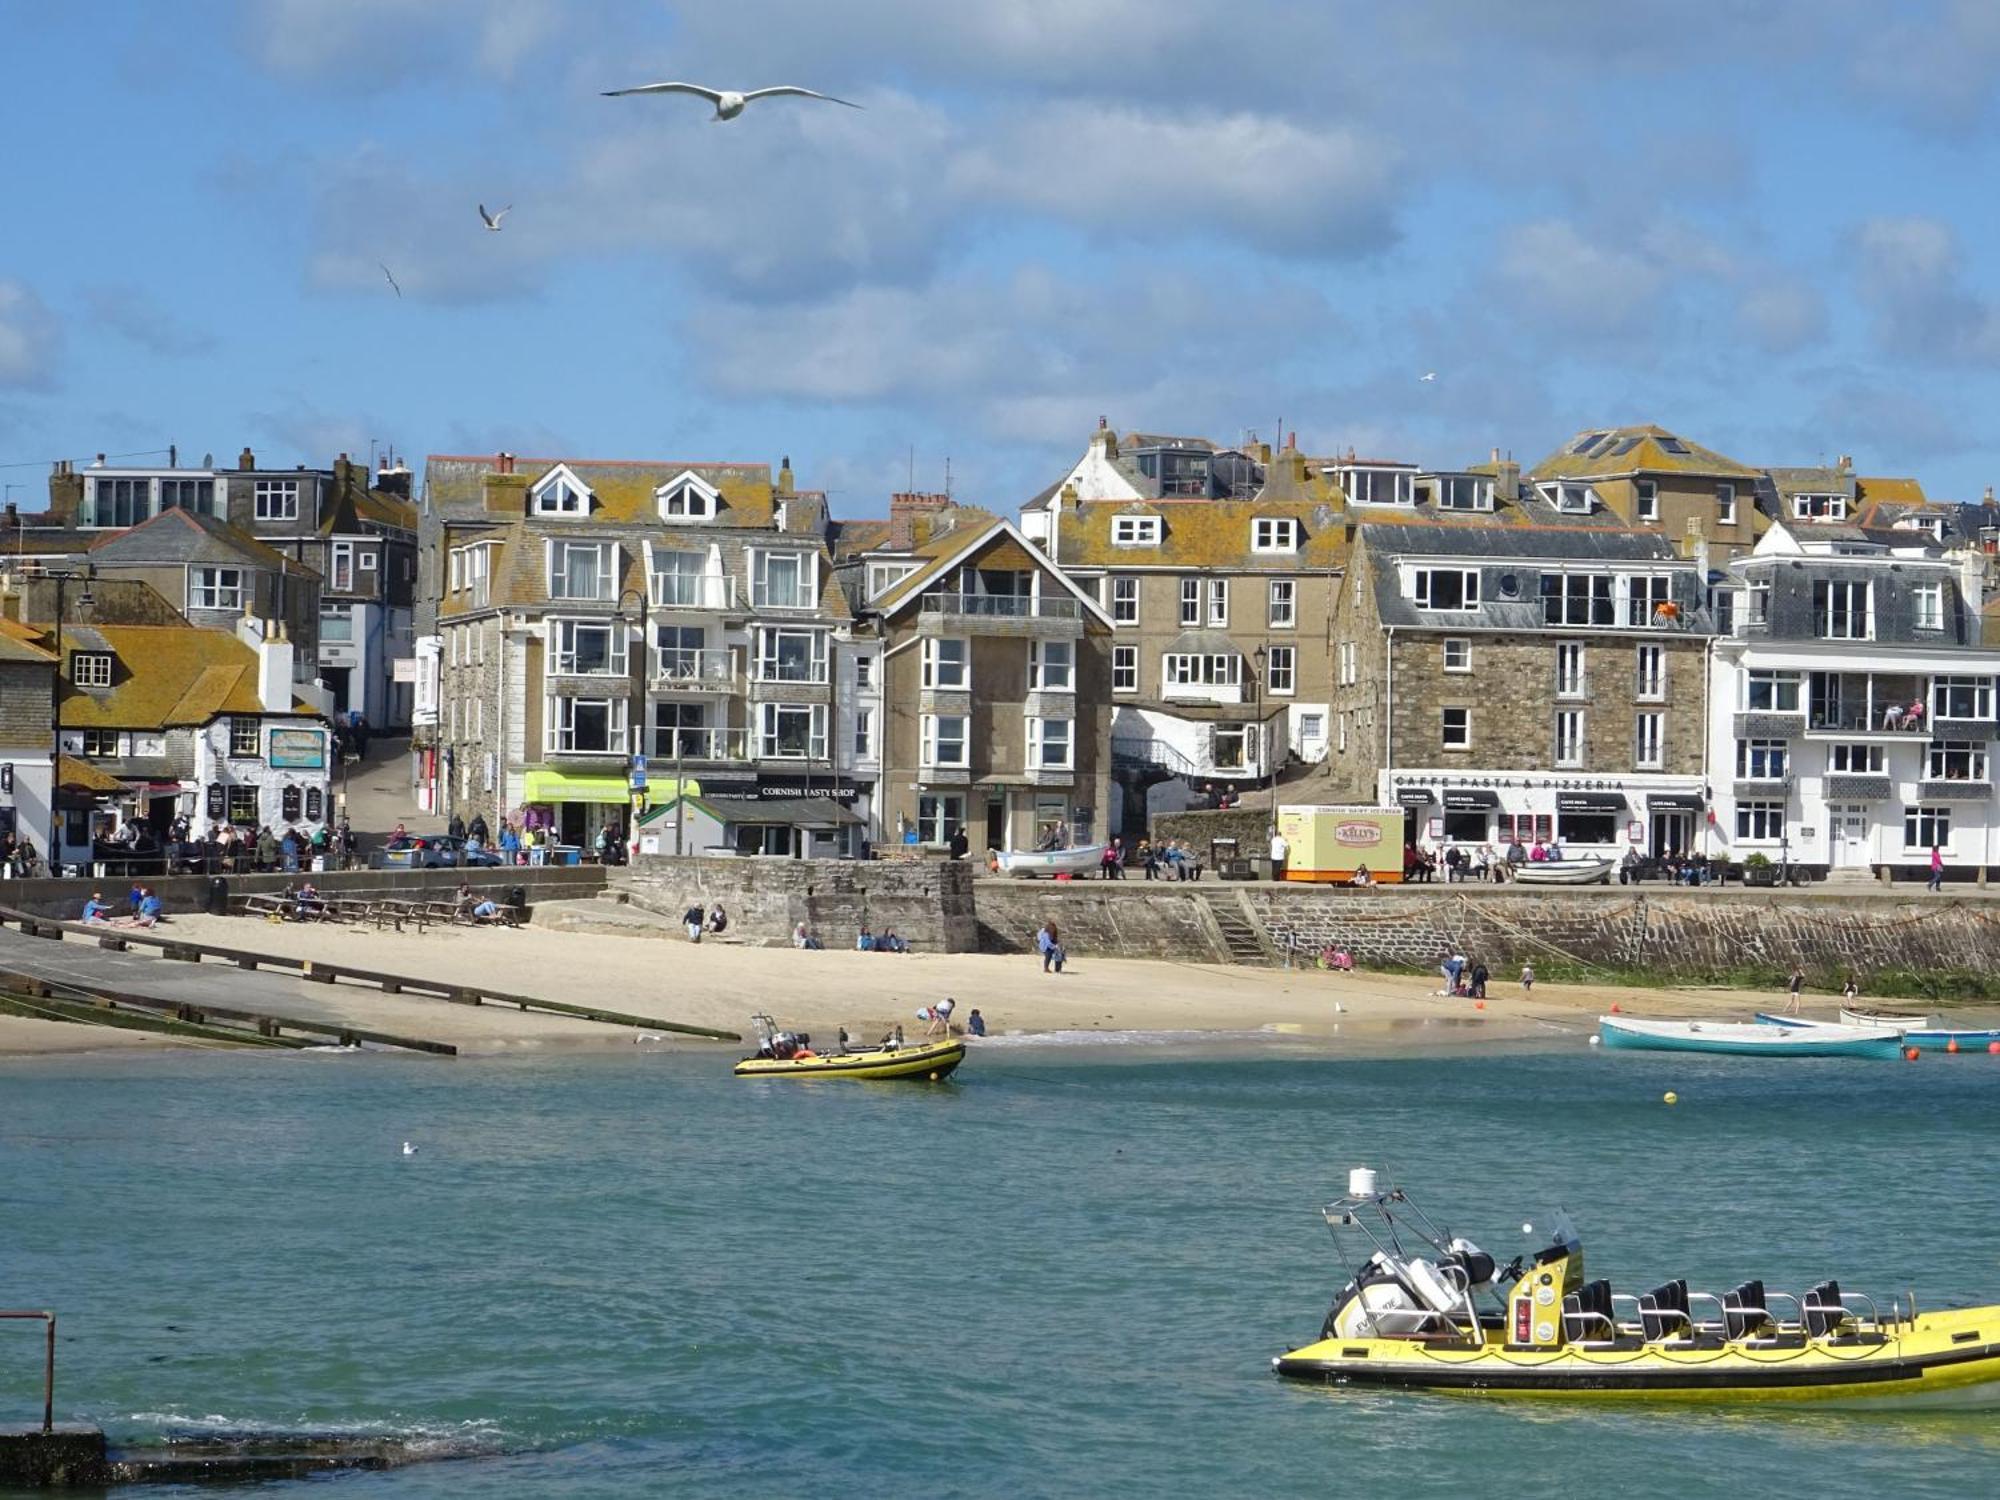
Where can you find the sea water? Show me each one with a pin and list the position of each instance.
(1063, 1273)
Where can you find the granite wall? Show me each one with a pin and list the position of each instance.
(928, 902)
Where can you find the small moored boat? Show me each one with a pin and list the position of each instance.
(1425, 1310)
(1928, 1033)
(1563, 872)
(1754, 1038)
(1029, 863)
(789, 1054)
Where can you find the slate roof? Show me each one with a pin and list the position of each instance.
(183, 536)
(622, 490)
(1786, 482)
(163, 677)
(1542, 543)
(1605, 452)
(946, 552)
(73, 775)
(1198, 534)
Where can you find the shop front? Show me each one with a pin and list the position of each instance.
(574, 806)
(1672, 821)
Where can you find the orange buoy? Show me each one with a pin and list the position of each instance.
(1952, 1045)
(1479, 1005)
(1616, 1008)
(1910, 1053)
(1993, 1047)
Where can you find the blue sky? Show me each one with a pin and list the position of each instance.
(1759, 223)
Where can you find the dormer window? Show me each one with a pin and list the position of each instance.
(1135, 531)
(1464, 492)
(1819, 507)
(90, 669)
(1274, 534)
(689, 498)
(1930, 526)
(1570, 499)
(560, 493)
(1379, 486)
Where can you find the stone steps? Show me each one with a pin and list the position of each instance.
(1240, 938)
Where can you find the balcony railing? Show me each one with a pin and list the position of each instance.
(779, 669)
(713, 670)
(693, 591)
(729, 745)
(1001, 606)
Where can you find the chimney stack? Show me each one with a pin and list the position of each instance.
(1506, 478)
(173, 455)
(785, 476)
(246, 461)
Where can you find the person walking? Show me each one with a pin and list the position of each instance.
(1049, 941)
(1851, 991)
(1280, 853)
(1937, 868)
(692, 919)
(1527, 978)
(1793, 986)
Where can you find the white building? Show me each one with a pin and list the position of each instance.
(1852, 706)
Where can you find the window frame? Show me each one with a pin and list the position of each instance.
(1039, 743)
(1125, 669)
(1274, 534)
(274, 499)
(1915, 818)
(1281, 604)
(1940, 755)
(1124, 599)
(1943, 684)
(1873, 757)
(1725, 503)
(246, 737)
(206, 590)
(1646, 500)
(1927, 605)
(932, 740)
(1649, 687)
(1572, 668)
(559, 724)
(1289, 670)
(807, 579)
(1136, 531)
(1039, 666)
(1190, 602)
(1777, 679)
(1570, 737)
(99, 669)
(1649, 739)
(1461, 647)
(932, 660)
(1423, 589)
(1218, 603)
(767, 661)
(770, 732)
(1760, 821)
(560, 550)
(562, 647)
(1455, 726)
(1760, 759)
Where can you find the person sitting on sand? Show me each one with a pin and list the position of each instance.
(802, 937)
(491, 912)
(718, 919)
(692, 920)
(95, 911)
(308, 903)
(1362, 876)
(975, 1024)
(148, 911)
(864, 941)
(888, 942)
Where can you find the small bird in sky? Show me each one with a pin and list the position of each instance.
(1428, 375)
(492, 221)
(728, 103)
(392, 279)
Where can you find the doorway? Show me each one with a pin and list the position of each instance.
(996, 821)
(1673, 832)
(1847, 835)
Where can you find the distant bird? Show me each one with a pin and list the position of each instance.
(492, 221)
(409, 1148)
(1428, 375)
(728, 103)
(392, 280)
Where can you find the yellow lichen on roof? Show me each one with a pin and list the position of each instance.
(1646, 455)
(73, 775)
(1204, 534)
(162, 676)
(23, 643)
(1898, 491)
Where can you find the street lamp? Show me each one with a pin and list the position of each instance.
(1263, 740)
(636, 712)
(62, 582)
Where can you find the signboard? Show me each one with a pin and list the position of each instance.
(298, 750)
(1331, 843)
(1469, 801)
(638, 775)
(1590, 802)
(800, 786)
(403, 669)
(1414, 796)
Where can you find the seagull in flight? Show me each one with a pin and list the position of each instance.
(728, 103)
(1429, 375)
(392, 280)
(492, 221)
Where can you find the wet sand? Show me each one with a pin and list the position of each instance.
(719, 984)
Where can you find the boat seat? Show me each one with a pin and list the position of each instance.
(1587, 1313)
(1822, 1310)
(1663, 1312)
(1744, 1313)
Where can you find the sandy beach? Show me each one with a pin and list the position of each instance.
(719, 984)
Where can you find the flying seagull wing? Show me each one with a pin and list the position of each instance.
(793, 88)
(713, 96)
(484, 217)
(392, 279)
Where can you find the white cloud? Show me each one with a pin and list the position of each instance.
(1552, 275)
(364, 42)
(1912, 273)
(134, 315)
(30, 338)
(1783, 316)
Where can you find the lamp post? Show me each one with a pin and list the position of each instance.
(1263, 752)
(636, 745)
(62, 582)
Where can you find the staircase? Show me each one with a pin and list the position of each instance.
(1134, 754)
(1241, 940)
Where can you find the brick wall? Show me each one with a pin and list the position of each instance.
(928, 902)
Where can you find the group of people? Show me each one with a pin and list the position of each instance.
(1169, 859)
(1467, 979)
(1454, 862)
(483, 910)
(243, 850)
(715, 921)
(144, 909)
(18, 857)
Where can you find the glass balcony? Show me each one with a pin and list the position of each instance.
(693, 591)
(706, 670)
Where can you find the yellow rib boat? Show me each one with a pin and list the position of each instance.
(789, 1054)
(1427, 1311)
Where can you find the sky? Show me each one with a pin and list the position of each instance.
(1756, 223)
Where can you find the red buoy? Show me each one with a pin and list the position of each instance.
(1993, 1047)
(1616, 1008)
(1910, 1053)
(1951, 1045)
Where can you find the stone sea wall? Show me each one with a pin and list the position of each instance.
(928, 902)
(184, 893)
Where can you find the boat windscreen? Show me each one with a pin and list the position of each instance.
(1563, 1238)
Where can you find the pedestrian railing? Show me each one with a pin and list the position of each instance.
(48, 1366)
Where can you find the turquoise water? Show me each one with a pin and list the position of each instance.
(1064, 1275)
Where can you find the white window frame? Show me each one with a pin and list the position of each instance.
(1571, 680)
(1649, 740)
(1124, 669)
(1457, 654)
(1856, 760)
(558, 576)
(934, 664)
(864, 734)
(1281, 671)
(1282, 604)
(1123, 598)
(1453, 490)
(1725, 504)
(340, 568)
(1646, 499)
(90, 669)
(1455, 727)
(1274, 534)
(1781, 683)
(1136, 531)
(761, 559)
(933, 742)
(275, 499)
(560, 495)
(1819, 507)
(1644, 594)
(883, 576)
(563, 653)
(1218, 603)
(1939, 755)
(687, 498)
(211, 587)
(1422, 589)
(1350, 669)
(1201, 669)
(1981, 689)
(1760, 822)
(1921, 819)
(1052, 666)
(1927, 606)
(1859, 622)
(1041, 742)
(1763, 760)
(1569, 746)
(769, 716)
(1650, 674)
(559, 724)
(1190, 602)
(765, 663)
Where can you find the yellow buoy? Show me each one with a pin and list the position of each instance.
(1671, 1097)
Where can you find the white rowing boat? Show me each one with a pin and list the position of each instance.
(1047, 863)
(1564, 872)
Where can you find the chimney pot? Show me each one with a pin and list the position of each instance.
(173, 455)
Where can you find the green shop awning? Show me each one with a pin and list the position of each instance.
(555, 786)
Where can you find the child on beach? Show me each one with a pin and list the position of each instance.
(1528, 976)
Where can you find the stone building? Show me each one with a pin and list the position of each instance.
(1530, 680)
(995, 695)
(1853, 701)
(27, 682)
(213, 574)
(589, 609)
(1651, 479)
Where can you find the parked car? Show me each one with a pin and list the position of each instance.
(431, 851)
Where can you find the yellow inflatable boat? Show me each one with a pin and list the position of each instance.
(1426, 1311)
(789, 1054)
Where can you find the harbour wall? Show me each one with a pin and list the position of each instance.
(928, 902)
(64, 898)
